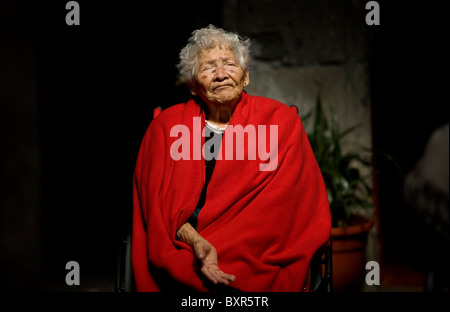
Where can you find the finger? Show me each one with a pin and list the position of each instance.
(208, 275)
(215, 275)
(228, 277)
(221, 276)
(215, 272)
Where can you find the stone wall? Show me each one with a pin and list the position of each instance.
(303, 49)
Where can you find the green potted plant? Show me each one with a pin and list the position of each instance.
(349, 194)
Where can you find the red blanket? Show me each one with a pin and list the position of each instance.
(265, 225)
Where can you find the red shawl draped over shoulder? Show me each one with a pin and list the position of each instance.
(265, 225)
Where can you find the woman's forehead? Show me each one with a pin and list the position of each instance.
(216, 53)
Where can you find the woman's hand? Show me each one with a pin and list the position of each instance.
(208, 262)
(206, 255)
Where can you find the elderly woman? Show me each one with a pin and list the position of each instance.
(227, 192)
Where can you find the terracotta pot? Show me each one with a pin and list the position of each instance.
(349, 256)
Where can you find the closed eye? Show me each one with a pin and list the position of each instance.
(206, 68)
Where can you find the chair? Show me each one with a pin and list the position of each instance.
(319, 277)
(320, 274)
(124, 281)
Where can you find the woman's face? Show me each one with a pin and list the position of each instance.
(219, 77)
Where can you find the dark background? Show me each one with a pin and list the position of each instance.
(98, 83)
(407, 106)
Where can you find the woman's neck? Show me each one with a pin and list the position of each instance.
(219, 118)
(219, 114)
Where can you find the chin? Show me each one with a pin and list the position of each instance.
(228, 98)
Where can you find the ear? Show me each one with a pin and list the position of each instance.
(246, 78)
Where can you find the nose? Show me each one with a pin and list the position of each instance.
(221, 74)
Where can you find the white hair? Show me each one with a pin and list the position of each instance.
(208, 38)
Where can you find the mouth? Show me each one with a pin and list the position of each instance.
(222, 87)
